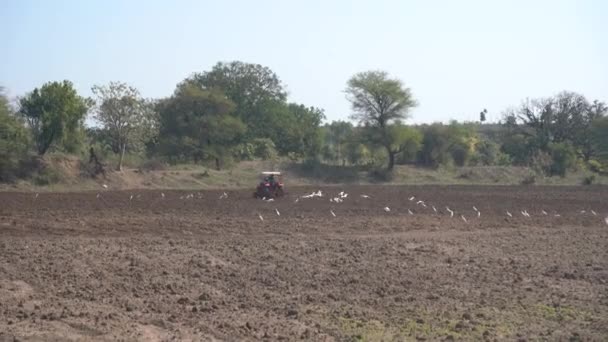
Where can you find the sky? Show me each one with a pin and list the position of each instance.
(457, 57)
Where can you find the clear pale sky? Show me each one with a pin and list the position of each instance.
(457, 56)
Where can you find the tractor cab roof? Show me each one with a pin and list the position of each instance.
(273, 173)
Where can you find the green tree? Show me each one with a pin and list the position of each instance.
(128, 119)
(53, 113)
(14, 140)
(563, 156)
(482, 115)
(378, 101)
(249, 86)
(337, 135)
(197, 125)
(599, 137)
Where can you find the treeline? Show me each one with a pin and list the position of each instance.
(238, 111)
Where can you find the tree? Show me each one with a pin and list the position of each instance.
(13, 140)
(482, 115)
(566, 117)
(53, 112)
(338, 134)
(197, 125)
(249, 86)
(378, 101)
(128, 119)
(599, 137)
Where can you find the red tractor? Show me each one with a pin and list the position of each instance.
(271, 186)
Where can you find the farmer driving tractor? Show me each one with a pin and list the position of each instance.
(269, 187)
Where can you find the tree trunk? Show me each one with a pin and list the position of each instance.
(391, 159)
(122, 155)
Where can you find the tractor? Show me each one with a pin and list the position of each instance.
(270, 186)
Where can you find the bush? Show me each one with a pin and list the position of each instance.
(529, 180)
(47, 176)
(381, 175)
(588, 180)
(595, 166)
(564, 158)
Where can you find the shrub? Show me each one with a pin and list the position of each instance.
(564, 158)
(588, 180)
(381, 175)
(529, 180)
(595, 166)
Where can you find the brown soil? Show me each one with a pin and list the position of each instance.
(133, 265)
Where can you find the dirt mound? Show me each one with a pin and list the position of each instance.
(377, 263)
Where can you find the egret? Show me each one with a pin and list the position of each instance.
(450, 211)
(594, 213)
(261, 218)
(277, 211)
(410, 212)
(509, 214)
(365, 196)
(544, 213)
(434, 209)
(412, 198)
(332, 213)
(463, 218)
(387, 209)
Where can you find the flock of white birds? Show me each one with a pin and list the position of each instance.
(342, 196)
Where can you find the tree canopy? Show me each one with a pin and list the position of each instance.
(54, 112)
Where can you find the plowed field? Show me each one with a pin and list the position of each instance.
(152, 266)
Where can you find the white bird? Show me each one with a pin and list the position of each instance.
(345, 195)
(387, 209)
(478, 214)
(594, 213)
(105, 186)
(558, 215)
(37, 194)
(606, 219)
(509, 214)
(450, 211)
(162, 194)
(261, 218)
(332, 213)
(544, 212)
(463, 218)
(224, 195)
(138, 196)
(419, 202)
(131, 198)
(181, 197)
(297, 200)
(331, 200)
(412, 198)
(410, 212)
(97, 196)
(583, 211)
(277, 211)
(434, 209)
(365, 196)
(474, 208)
(270, 200)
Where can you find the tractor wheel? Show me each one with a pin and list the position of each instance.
(279, 192)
